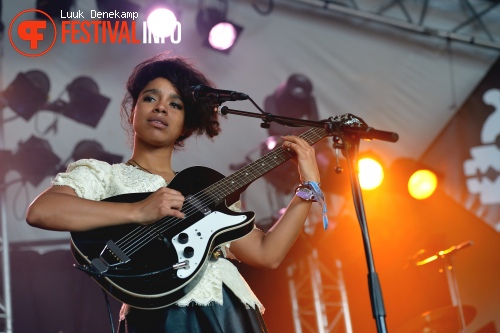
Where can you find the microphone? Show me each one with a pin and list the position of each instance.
(203, 93)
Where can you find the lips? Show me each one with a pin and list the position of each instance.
(158, 122)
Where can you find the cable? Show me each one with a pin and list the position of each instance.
(92, 272)
(108, 305)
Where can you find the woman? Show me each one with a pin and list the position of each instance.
(161, 114)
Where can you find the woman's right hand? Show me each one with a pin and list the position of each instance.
(59, 208)
(163, 202)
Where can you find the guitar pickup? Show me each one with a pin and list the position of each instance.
(198, 205)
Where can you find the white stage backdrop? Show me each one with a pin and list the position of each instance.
(395, 80)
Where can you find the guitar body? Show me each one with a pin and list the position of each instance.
(154, 266)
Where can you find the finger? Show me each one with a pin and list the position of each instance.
(306, 157)
(287, 145)
(171, 208)
(168, 196)
(168, 190)
(290, 140)
(301, 148)
(176, 204)
(176, 213)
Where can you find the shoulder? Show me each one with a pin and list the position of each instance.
(90, 164)
(99, 168)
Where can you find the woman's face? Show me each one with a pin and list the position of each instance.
(158, 116)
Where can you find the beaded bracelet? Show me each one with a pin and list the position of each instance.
(310, 191)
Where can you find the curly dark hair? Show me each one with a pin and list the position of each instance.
(199, 118)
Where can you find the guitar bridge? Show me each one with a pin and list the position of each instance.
(110, 256)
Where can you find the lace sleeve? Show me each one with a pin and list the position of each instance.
(88, 177)
(227, 246)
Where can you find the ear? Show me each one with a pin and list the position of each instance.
(131, 117)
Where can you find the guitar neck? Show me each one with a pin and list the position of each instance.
(256, 169)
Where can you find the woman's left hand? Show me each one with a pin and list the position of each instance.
(306, 157)
(268, 250)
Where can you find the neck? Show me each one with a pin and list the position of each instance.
(157, 161)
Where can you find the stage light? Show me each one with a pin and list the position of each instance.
(90, 149)
(271, 142)
(217, 31)
(293, 98)
(222, 36)
(85, 104)
(93, 149)
(422, 184)
(34, 160)
(27, 94)
(370, 172)
(29, 91)
(161, 22)
(414, 178)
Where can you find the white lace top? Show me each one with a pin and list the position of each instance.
(97, 180)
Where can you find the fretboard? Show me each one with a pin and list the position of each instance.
(256, 169)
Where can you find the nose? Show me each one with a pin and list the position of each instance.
(159, 108)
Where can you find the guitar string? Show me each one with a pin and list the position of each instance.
(307, 135)
(161, 228)
(204, 198)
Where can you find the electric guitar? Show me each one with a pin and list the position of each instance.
(154, 266)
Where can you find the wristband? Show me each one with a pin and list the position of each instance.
(305, 194)
(310, 191)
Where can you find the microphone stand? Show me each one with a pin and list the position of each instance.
(346, 136)
(351, 145)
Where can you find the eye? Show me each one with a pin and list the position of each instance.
(176, 105)
(148, 98)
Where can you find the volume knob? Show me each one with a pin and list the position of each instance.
(188, 252)
(183, 238)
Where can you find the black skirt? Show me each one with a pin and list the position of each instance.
(232, 316)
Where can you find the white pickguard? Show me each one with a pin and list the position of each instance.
(199, 235)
